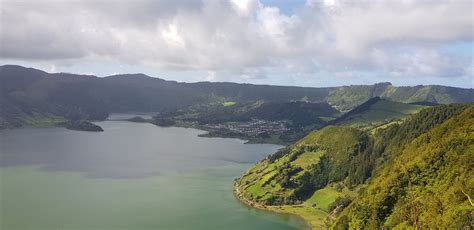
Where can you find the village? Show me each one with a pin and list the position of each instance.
(254, 127)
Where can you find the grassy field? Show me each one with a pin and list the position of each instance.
(263, 186)
(307, 159)
(40, 120)
(228, 103)
(313, 216)
(324, 197)
(259, 185)
(382, 111)
(261, 182)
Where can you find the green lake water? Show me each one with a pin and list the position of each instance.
(132, 176)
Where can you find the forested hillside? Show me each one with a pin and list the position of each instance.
(411, 174)
(29, 96)
(377, 111)
(347, 97)
(429, 185)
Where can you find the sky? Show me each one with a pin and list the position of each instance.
(278, 42)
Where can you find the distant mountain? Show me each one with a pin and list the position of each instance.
(299, 113)
(29, 96)
(378, 110)
(347, 97)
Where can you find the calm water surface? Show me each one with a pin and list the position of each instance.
(132, 176)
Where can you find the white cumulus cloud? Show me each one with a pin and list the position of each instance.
(244, 38)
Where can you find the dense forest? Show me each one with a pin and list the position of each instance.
(427, 185)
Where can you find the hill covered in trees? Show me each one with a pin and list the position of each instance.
(411, 174)
(346, 98)
(377, 111)
(428, 185)
(34, 97)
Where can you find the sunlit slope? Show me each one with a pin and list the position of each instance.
(291, 175)
(27, 93)
(346, 98)
(377, 111)
(427, 186)
(426, 157)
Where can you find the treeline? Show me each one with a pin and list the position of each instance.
(428, 184)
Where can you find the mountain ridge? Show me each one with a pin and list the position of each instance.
(27, 92)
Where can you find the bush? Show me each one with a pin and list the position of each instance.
(340, 202)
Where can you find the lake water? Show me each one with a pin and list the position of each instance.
(132, 176)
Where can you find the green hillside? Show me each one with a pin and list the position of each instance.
(291, 175)
(299, 113)
(377, 111)
(381, 170)
(26, 93)
(346, 98)
(427, 186)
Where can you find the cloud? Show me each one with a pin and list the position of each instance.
(244, 37)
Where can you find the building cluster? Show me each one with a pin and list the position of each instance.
(250, 128)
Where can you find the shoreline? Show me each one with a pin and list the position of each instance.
(275, 209)
(209, 133)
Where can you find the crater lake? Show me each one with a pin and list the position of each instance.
(131, 176)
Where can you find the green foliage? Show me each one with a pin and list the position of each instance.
(307, 159)
(377, 111)
(310, 164)
(298, 112)
(137, 119)
(348, 97)
(339, 203)
(228, 103)
(279, 154)
(324, 198)
(83, 126)
(77, 97)
(164, 122)
(420, 172)
(427, 185)
(43, 120)
(391, 140)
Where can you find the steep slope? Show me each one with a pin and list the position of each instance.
(22, 98)
(291, 175)
(430, 93)
(25, 92)
(346, 98)
(29, 93)
(320, 175)
(427, 186)
(377, 111)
